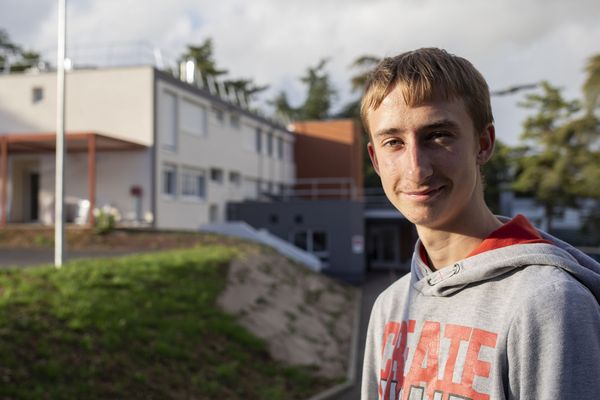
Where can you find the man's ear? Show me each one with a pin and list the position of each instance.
(487, 140)
(373, 157)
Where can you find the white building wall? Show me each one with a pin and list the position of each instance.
(224, 140)
(571, 218)
(126, 103)
(116, 173)
(116, 102)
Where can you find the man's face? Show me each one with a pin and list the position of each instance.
(428, 158)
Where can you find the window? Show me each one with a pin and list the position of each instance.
(280, 147)
(234, 120)
(193, 183)
(249, 138)
(213, 213)
(37, 94)
(216, 175)
(169, 176)
(288, 151)
(314, 242)
(300, 240)
(193, 118)
(274, 219)
(258, 140)
(168, 120)
(249, 188)
(319, 241)
(258, 188)
(219, 115)
(270, 144)
(234, 177)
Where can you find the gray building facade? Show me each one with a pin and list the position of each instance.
(333, 230)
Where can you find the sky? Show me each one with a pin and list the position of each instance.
(511, 42)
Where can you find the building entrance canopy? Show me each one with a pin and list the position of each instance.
(75, 142)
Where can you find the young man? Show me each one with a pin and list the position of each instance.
(492, 308)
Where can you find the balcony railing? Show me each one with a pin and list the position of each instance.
(327, 188)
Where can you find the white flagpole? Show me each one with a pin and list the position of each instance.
(59, 193)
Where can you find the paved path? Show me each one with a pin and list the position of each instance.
(375, 283)
(29, 257)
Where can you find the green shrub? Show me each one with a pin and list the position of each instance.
(104, 223)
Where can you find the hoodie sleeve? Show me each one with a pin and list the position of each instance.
(553, 345)
(371, 361)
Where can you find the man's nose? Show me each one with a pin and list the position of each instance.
(418, 164)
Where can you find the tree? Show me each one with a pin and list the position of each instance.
(319, 96)
(26, 60)
(555, 161)
(364, 64)
(320, 93)
(202, 55)
(18, 59)
(6, 45)
(591, 87)
(497, 175)
(246, 86)
(283, 107)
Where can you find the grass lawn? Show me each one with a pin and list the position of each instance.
(134, 327)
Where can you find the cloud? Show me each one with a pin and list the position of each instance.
(21, 19)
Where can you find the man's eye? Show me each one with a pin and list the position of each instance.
(392, 143)
(440, 135)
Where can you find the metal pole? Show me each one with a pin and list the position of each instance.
(59, 192)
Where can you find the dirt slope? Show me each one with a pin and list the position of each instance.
(305, 317)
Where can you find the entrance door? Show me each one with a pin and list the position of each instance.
(383, 251)
(34, 190)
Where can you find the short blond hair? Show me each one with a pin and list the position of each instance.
(429, 74)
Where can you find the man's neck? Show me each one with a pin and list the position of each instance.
(447, 245)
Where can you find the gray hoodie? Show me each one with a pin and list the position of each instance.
(519, 322)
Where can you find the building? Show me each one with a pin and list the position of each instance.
(569, 223)
(330, 162)
(166, 153)
(328, 158)
(161, 151)
(327, 213)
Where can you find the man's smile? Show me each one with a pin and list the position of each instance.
(424, 194)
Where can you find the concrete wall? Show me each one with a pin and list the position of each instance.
(209, 142)
(341, 219)
(116, 102)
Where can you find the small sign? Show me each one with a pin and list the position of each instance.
(358, 244)
(136, 191)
